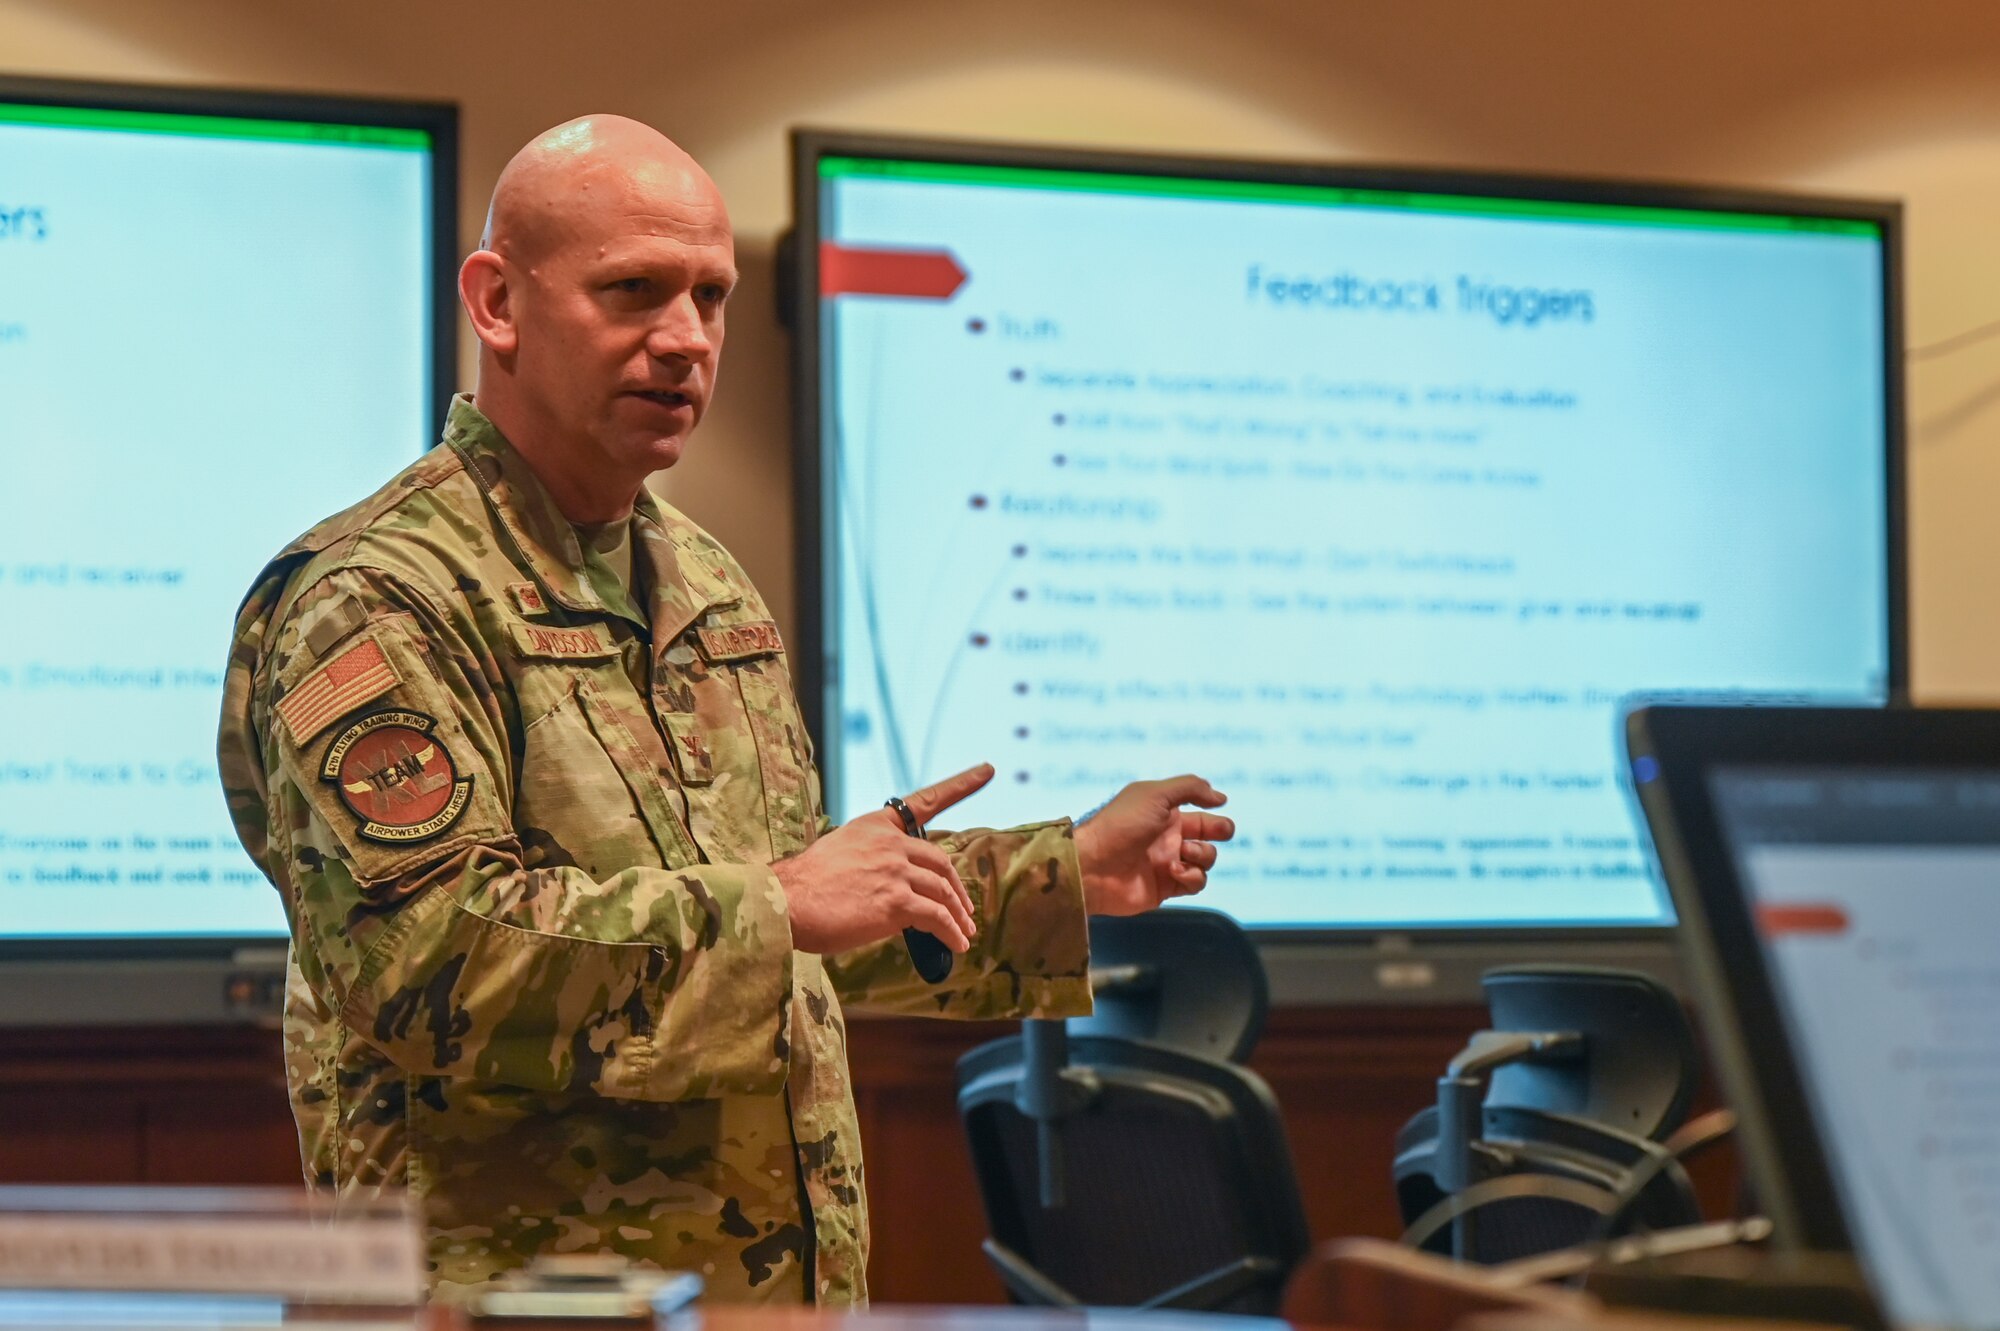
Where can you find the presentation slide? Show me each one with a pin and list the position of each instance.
(1883, 960)
(212, 335)
(1368, 508)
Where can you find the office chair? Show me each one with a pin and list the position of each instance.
(1583, 1074)
(1121, 1171)
(1185, 978)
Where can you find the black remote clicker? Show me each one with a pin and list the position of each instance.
(931, 957)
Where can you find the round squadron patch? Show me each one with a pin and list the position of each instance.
(396, 777)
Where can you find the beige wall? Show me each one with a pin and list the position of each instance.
(1873, 98)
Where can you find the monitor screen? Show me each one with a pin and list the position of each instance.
(1874, 896)
(218, 324)
(1367, 495)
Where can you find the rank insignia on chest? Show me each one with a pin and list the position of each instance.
(396, 776)
(692, 757)
(740, 642)
(527, 598)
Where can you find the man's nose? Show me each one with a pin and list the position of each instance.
(681, 333)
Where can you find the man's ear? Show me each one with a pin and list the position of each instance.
(489, 304)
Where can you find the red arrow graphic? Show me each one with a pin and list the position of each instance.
(848, 270)
(1778, 918)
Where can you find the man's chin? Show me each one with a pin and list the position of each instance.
(648, 451)
(659, 454)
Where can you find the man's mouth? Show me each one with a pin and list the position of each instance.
(665, 397)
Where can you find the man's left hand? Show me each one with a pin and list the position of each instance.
(1143, 847)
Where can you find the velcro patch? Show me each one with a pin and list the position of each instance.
(332, 624)
(396, 777)
(358, 675)
(584, 641)
(737, 642)
(527, 598)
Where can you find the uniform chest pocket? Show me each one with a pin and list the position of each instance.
(591, 793)
(726, 702)
(765, 687)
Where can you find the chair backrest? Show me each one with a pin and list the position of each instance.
(1175, 1167)
(1592, 1118)
(1186, 978)
(1638, 1067)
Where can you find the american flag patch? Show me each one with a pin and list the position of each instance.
(354, 677)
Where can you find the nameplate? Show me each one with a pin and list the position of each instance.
(740, 642)
(364, 1260)
(583, 642)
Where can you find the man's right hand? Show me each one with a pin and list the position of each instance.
(869, 880)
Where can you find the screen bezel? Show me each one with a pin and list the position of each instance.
(437, 119)
(813, 503)
(1682, 748)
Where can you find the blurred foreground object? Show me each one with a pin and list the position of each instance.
(248, 1246)
(585, 1286)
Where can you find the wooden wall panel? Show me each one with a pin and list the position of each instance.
(208, 1106)
(147, 1105)
(47, 1137)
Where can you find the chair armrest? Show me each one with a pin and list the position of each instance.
(1023, 1281)
(1218, 1286)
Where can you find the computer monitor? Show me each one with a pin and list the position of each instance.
(1838, 880)
(223, 315)
(1367, 492)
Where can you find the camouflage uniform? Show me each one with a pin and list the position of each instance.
(541, 971)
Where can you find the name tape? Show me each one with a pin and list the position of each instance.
(587, 640)
(737, 642)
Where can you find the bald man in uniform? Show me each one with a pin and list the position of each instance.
(517, 743)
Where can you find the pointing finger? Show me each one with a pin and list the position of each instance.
(931, 801)
(1191, 789)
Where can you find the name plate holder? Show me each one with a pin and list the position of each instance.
(273, 1247)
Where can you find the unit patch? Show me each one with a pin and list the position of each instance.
(396, 777)
(527, 598)
(739, 642)
(358, 675)
(586, 640)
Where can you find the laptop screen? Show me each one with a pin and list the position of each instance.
(1877, 900)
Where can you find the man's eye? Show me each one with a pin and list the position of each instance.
(711, 293)
(631, 286)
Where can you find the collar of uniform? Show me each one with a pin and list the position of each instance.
(543, 539)
(682, 589)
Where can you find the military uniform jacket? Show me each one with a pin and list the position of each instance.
(541, 970)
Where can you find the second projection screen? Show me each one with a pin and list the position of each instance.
(1370, 507)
